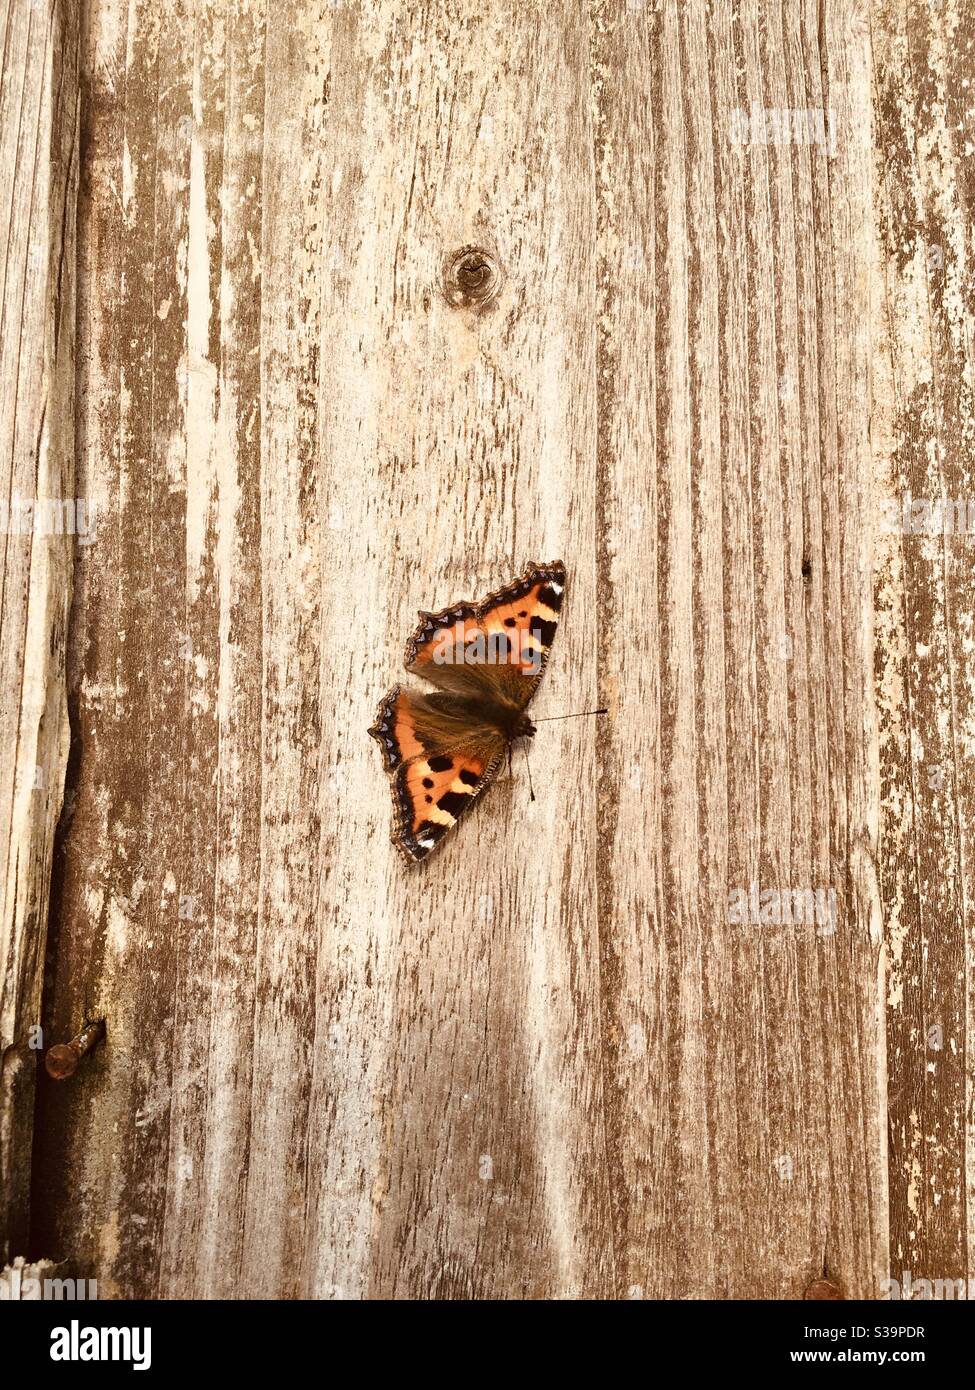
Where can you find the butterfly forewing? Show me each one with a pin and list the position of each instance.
(440, 756)
(431, 793)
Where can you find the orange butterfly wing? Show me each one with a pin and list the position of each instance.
(503, 641)
(432, 783)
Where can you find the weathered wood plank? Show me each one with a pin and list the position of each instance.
(38, 171)
(169, 435)
(252, 458)
(924, 428)
(746, 1058)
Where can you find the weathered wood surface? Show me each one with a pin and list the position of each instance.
(747, 1068)
(38, 173)
(549, 1063)
(924, 66)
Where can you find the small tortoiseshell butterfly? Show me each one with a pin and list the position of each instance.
(487, 659)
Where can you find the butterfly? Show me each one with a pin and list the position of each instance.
(486, 658)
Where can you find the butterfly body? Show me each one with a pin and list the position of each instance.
(442, 749)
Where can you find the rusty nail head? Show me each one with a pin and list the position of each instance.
(61, 1060)
(823, 1288)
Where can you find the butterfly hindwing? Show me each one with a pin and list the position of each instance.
(499, 645)
(394, 729)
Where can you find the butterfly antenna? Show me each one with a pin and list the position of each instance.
(531, 789)
(580, 714)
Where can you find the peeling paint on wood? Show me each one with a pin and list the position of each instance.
(924, 434)
(644, 1036)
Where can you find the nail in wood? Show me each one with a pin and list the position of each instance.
(61, 1060)
(823, 1288)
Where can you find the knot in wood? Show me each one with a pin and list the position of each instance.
(472, 279)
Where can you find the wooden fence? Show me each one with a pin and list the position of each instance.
(721, 331)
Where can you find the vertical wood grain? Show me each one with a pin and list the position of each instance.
(293, 477)
(455, 447)
(38, 171)
(924, 58)
(550, 1062)
(747, 1058)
